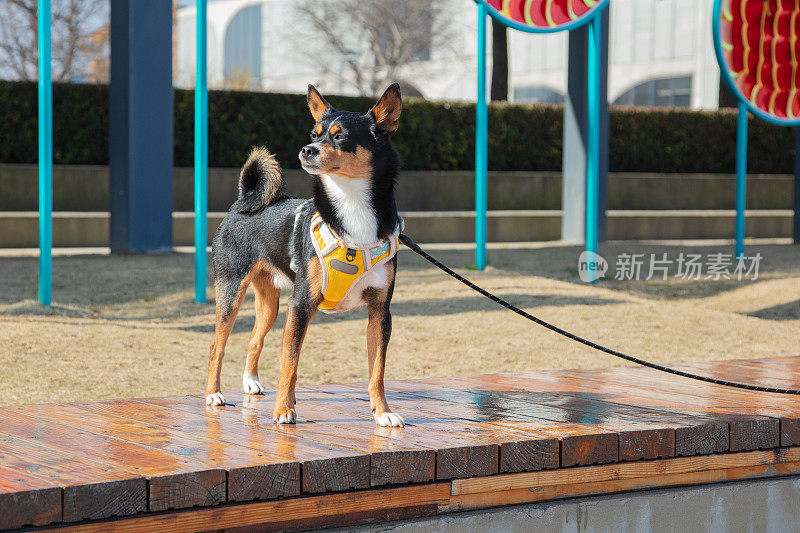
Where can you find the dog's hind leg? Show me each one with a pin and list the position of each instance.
(229, 295)
(267, 297)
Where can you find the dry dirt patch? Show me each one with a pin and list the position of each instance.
(128, 326)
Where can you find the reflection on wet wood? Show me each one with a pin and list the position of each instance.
(493, 440)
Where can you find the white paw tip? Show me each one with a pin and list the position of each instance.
(286, 418)
(251, 385)
(215, 399)
(390, 420)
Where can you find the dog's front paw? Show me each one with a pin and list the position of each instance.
(215, 398)
(284, 415)
(251, 384)
(390, 420)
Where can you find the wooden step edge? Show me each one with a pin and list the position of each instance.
(623, 471)
(309, 511)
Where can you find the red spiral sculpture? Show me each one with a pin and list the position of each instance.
(543, 13)
(760, 47)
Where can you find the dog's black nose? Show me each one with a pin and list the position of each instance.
(309, 151)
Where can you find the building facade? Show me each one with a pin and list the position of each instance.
(661, 54)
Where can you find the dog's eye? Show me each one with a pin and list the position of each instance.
(313, 135)
(338, 137)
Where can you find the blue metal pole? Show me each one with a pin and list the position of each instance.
(741, 176)
(481, 145)
(592, 132)
(200, 157)
(45, 156)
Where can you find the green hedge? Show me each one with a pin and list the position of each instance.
(432, 135)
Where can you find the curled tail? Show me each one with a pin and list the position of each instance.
(259, 182)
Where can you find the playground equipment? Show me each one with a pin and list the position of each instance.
(45, 156)
(200, 156)
(541, 16)
(756, 44)
(147, 206)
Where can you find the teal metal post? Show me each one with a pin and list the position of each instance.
(592, 132)
(200, 158)
(741, 176)
(481, 145)
(45, 156)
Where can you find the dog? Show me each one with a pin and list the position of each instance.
(335, 251)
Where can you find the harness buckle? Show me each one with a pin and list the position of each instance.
(351, 255)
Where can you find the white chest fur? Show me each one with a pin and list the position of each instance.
(352, 200)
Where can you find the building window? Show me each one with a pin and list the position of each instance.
(242, 60)
(537, 95)
(664, 92)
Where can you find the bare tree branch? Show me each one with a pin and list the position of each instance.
(376, 40)
(77, 37)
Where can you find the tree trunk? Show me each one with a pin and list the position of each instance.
(499, 89)
(726, 99)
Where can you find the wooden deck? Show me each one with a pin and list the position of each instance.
(173, 464)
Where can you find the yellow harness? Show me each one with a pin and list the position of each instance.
(343, 265)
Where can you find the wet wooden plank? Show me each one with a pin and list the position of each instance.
(760, 434)
(92, 490)
(458, 428)
(749, 372)
(324, 466)
(503, 426)
(693, 432)
(393, 459)
(713, 436)
(174, 481)
(346, 417)
(26, 500)
(750, 428)
(788, 368)
(444, 425)
(657, 381)
(589, 449)
(733, 406)
(530, 455)
(773, 372)
(790, 431)
(351, 415)
(642, 434)
(646, 444)
(253, 473)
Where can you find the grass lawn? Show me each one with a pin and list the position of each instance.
(127, 326)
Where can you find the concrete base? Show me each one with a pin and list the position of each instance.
(75, 228)
(769, 505)
(85, 188)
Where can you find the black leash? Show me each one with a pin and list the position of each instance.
(408, 241)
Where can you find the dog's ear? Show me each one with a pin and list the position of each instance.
(386, 113)
(317, 104)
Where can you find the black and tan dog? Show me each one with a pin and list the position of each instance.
(349, 228)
